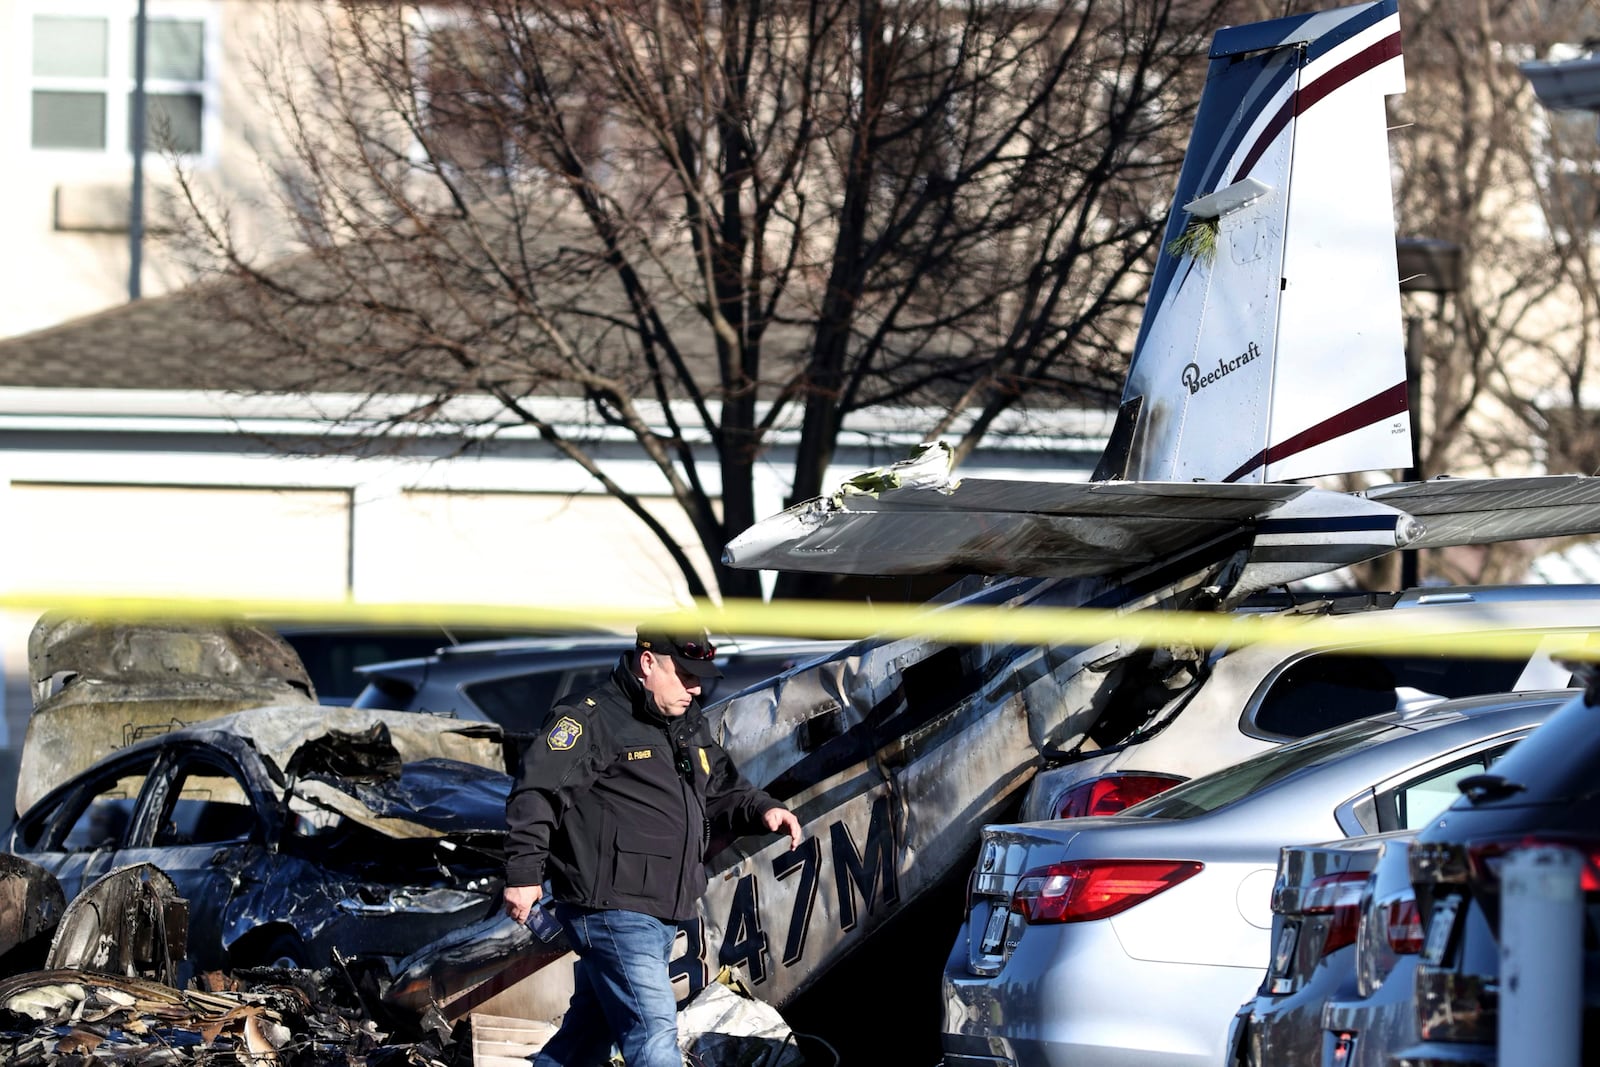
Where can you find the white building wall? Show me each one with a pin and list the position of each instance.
(67, 251)
(178, 495)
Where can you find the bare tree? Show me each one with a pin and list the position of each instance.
(1506, 352)
(709, 221)
(1504, 329)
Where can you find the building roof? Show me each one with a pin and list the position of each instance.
(165, 342)
(219, 337)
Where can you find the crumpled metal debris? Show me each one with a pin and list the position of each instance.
(927, 468)
(723, 1025)
(726, 1025)
(108, 994)
(74, 1018)
(113, 1018)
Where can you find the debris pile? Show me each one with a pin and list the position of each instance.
(116, 988)
(74, 1018)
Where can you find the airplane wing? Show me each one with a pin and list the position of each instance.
(1479, 511)
(912, 517)
(988, 526)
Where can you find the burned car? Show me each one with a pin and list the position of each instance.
(300, 836)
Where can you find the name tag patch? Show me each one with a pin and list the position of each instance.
(643, 753)
(564, 734)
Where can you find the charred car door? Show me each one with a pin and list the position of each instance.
(205, 818)
(78, 831)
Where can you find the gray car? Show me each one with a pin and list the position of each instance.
(1131, 940)
(1320, 915)
(514, 682)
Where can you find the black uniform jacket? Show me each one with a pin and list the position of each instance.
(615, 802)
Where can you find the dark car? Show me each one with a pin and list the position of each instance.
(293, 831)
(514, 682)
(1361, 1026)
(1545, 792)
(1317, 923)
(333, 652)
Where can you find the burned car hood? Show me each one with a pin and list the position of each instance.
(99, 685)
(443, 795)
(403, 774)
(359, 744)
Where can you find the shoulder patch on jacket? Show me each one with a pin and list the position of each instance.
(564, 734)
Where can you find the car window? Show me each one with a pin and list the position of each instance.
(103, 809)
(331, 659)
(205, 805)
(1328, 689)
(1210, 792)
(1416, 803)
(385, 693)
(518, 703)
(576, 683)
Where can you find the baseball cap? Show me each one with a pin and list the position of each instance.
(691, 652)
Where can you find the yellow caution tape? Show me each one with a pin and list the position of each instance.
(1405, 631)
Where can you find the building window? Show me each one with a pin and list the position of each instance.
(472, 76)
(70, 67)
(83, 65)
(1573, 177)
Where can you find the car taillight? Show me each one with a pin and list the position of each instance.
(1402, 926)
(1337, 896)
(1110, 793)
(1478, 862)
(1082, 890)
(1485, 857)
(1390, 928)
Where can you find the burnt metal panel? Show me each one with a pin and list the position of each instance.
(31, 903)
(130, 922)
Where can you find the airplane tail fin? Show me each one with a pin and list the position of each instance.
(1271, 347)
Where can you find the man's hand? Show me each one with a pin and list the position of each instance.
(782, 820)
(520, 900)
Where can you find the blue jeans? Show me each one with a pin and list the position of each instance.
(622, 992)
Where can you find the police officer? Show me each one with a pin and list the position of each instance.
(614, 805)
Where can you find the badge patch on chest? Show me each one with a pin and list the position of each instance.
(565, 734)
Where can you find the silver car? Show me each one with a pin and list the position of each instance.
(1319, 917)
(1379, 1016)
(1131, 940)
(1207, 711)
